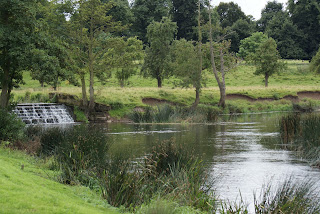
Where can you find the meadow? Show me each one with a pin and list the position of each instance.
(295, 78)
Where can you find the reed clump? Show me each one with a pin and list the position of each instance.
(300, 132)
(291, 196)
(167, 113)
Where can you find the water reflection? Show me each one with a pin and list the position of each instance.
(242, 153)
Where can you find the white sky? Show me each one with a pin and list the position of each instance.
(250, 7)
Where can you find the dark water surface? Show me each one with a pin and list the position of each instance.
(242, 153)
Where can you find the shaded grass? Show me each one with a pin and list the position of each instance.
(31, 191)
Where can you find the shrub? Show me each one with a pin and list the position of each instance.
(11, 127)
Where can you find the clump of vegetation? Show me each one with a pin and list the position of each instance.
(168, 113)
(11, 127)
(291, 196)
(300, 133)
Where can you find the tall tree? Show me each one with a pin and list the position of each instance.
(221, 60)
(240, 30)
(306, 15)
(229, 13)
(50, 58)
(187, 61)
(160, 37)
(184, 13)
(91, 26)
(17, 29)
(287, 35)
(271, 9)
(147, 11)
(267, 60)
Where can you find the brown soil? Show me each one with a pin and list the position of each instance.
(300, 95)
(309, 94)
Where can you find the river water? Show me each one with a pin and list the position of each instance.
(242, 153)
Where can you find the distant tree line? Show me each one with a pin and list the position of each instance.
(83, 41)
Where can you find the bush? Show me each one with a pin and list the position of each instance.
(11, 127)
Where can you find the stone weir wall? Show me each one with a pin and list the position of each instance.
(100, 113)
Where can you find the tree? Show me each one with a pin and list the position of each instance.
(221, 65)
(240, 30)
(249, 46)
(187, 61)
(184, 13)
(160, 37)
(315, 62)
(305, 14)
(271, 9)
(123, 55)
(147, 11)
(50, 57)
(90, 27)
(17, 30)
(287, 35)
(267, 59)
(229, 13)
(120, 11)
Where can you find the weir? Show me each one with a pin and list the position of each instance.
(43, 113)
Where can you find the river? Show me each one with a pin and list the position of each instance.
(242, 153)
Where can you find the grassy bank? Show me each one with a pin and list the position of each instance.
(27, 186)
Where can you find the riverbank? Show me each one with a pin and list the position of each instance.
(28, 186)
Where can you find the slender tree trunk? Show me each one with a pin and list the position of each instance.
(5, 88)
(266, 80)
(221, 84)
(91, 69)
(197, 100)
(84, 92)
(159, 82)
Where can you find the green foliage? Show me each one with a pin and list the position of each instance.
(145, 12)
(229, 13)
(249, 46)
(185, 13)
(80, 115)
(315, 62)
(268, 13)
(11, 127)
(160, 36)
(17, 33)
(185, 63)
(267, 60)
(123, 55)
(305, 15)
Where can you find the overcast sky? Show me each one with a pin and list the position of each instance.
(250, 7)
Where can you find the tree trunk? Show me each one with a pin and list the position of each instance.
(159, 82)
(197, 100)
(221, 84)
(5, 89)
(84, 93)
(121, 83)
(91, 89)
(266, 80)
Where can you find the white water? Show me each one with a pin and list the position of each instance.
(43, 113)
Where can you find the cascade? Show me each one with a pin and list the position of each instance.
(43, 113)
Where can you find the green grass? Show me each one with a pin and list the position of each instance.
(32, 191)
